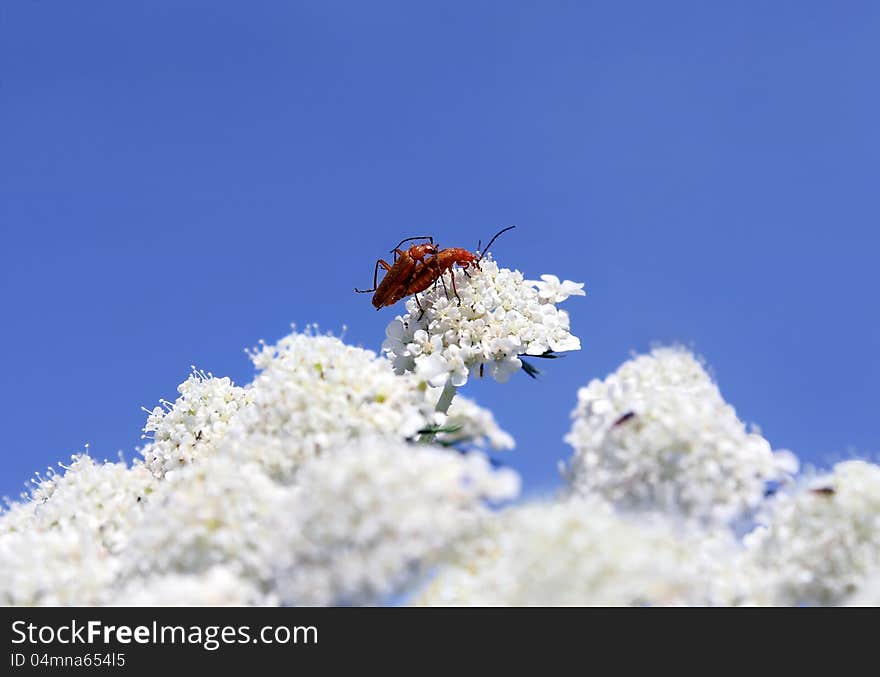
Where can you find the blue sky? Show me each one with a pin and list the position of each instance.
(180, 179)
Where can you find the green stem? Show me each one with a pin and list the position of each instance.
(446, 396)
(443, 403)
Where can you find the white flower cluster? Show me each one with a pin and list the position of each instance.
(62, 546)
(365, 521)
(500, 317)
(819, 543)
(575, 552)
(193, 425)
(218, 514)
(314, 394)
(328, 480)
(214, 512)
(657, 434)
(104, 498)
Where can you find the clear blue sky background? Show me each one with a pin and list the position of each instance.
(180, 179)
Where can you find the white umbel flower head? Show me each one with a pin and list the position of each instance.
(501, 317)
(366, 520)
(218, 586)
(819, 543)
(316, 393)
(657, 434)
(574, 552)
(218, 511)
(193, 425)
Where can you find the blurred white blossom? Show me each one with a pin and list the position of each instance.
(500, 317)
(17, 517)
(106, 499)
(368, 519)
(657, 434)
(218, 511)
(218, 586)
(868, 593)
(55, 567)
(575, 552)
(819, 543)
(194, 424)
(314, 394)
(61, 546)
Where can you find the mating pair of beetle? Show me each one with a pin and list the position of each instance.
(417, 268)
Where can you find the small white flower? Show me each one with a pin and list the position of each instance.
(502, 370)
(367, 520)
(554, 291)
(820, 543)
(434, 369)
(501, 317)
(657, 434)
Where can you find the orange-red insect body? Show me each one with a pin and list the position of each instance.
(395, 284)
(433, 269)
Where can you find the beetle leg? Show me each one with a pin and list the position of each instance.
(454, 290)
(436, 261)
(382, 263)
(445, 291)
(418, 303)
(436, 282)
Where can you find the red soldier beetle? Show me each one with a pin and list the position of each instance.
(411, 274)
(395, 284)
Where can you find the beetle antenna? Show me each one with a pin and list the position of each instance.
(494, 237)
(420, 237)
